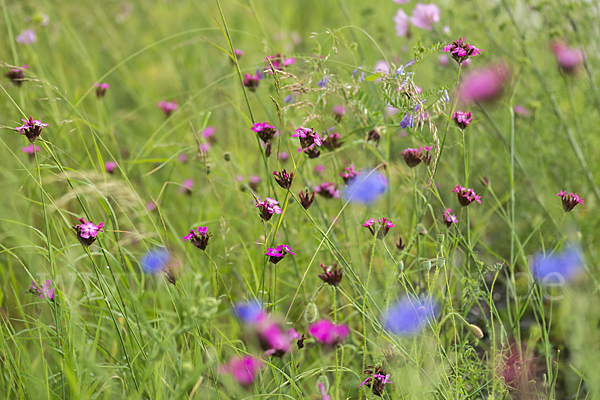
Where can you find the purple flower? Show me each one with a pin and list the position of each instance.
(449, 218)
(17, 75)
(484, 84)
(462, 118)
(366, 188)
(264, 131)
(155, 261)
(338, 112)
(328, 190)
(32, 128)
(308, 138)
(238, 54)
(284, 179)
(289, 99)
(31, 150)
(283, 156)
(249, 313)
(569, 201)
(326, 332)
(413, 157)
(349, 173)
(306, 199)
(101, 89)
(332, 275)
(45, 290)
(443, 60)
(407, 121)
(424, 15)
(200, 239)
(466, 196)
(522, 111)
(381, 66)
(279, 62)
(28, 36)
(182, 158)
(254, 182)
(332, 141)
(243, 369)
(87, 232)
(251, 82)
(461, 50)
(561, 266)
(362, 75)
(319, 168)
(569, 59)
(323, 82)
(277, 254)
(401, 22)
(208, 133)
(408, 316)
(110, 166)
(376, 382)
(186, 187)
(268, 207)
(384, 227)
(273, 340)
(324, 395)
(401, 1)
(167, 107)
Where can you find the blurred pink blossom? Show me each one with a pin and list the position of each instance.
(401, 22)
(484, 84)
(424, 15)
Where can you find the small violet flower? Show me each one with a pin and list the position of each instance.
(31, 129)
(28, 36)
(186, 187)
(328, 333)
(407, 121)
(484, 84)
(462, 119)
(401, 23)
(167, 107)
(200, 239)
(110, 167)
(31, 150)
(449, 218)
(323, 82)
(243, 369)
(557, 267)
(268, 207)
(277, 254)
(569, 201)
(328, 190)
(250, 312)
(87, 232)
(384, 227)
(569, 59)
(324, 395)
(466, 196)
(338, 112)
(461, 50)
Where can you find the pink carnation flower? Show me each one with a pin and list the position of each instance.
(326, 332)
(243, 369)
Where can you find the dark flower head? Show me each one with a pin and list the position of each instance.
(17, 75)
(170, 274)
(408, 316)
(332, 141)
(400, 245)
(306, 199)
(328, 190)
(238, 54)
(300, 341)
(349, 173)
(462, 118)
(461, 50)
(313, 152)
(413, 157)
(376, 380)
(264, 131)
(569, 201)
(87, 232)
(308, 138)
(101, 89)
(466, 196)
(332, 275)
(366, 188)
(251, 82)
(374, 135)
(200, 239)
(277, 254)
(283, 178)
(45, 291)
(32, 128)
(268, 207)
(380, 227)
(167, 107)
(449, 218)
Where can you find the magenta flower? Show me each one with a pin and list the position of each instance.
(443, 60)
(186, 187)
(31, 129)
(17, 75)
(251, 82)
(200, 239)
(45, 290)
(87, 232)
(326, 332)
(308, 138)
(110, 166)
(449, 218)
(167, 107)
(401, 23)
(413, 157)
(324, 395)
(279, 62)
(208, 133)
(273, 340)
(377, 383)
(522, 111)
(318, 169)
(462, 118)
(338, 112)
(254, 182)
(151, 206)
(238, 54)
(101, 89)
(349, 173)
(284, 179)
(306, 199)
(243, 369)
(277, 254)
(268, 207)
(283, 156)
(424, 15)
(28, 36)
(484, 84)
(569, 59)
(384, 226)
(182, 158)
(569, 201)
(461, 50)
(264, 131)
(328, 190)
(31, 150)
(332, 141)
(466, 196)
(381, 67)
(332, 275)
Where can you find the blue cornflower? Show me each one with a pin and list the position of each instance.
(323, 82)
(155, 260)
(250, 312)
(408, 316)
(365, 188)
(561, 265)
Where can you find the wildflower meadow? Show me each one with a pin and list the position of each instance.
(318, 200)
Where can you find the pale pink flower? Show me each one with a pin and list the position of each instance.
(484, 84)
(424, 15)
(401, 22)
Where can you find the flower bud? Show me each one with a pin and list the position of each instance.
(476, 331)
(311, 312)
(227, 156)
(440, 262)
(208, 169)
(427, 265)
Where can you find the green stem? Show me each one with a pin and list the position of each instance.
(364, 308)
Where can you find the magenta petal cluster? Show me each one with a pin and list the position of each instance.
(568, 59)
(251, 81)
(32, 128)
(484, 84)
(200, 239)
(326, 332)
(167, 106)
(243, 369)
(425, 15)
(466, 196)
(401, 23)
(462, 118)
(570, 200)
(449, 218)
(31, 149)
(413, 157)
(460, 50)
(380, 227)
(45, 290)
(278, 253)
(268, 207)
(349, 173)
(87, 232)
(28, 36)
(308, 138)
(279, 62)
(328, 190)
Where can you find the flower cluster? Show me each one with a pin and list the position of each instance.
(306, 199)
(332, 141)
(569, 201)
(45, 291)
(265, 132)
(449, 218)
(384, 226)
(466, 196)
(462, 118)
(328, 333)
(328, 190)
(332, 275)
(284, 179)
(268, 207)
(200, 239)
(349, 173)
(460, 50)
(423, 17)
(308, 138)
(32, 128)
(376, 380)
(167, 107)
(413, 157)
(87, 232)
(278, 253)
(374, 136)
(251, 81)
